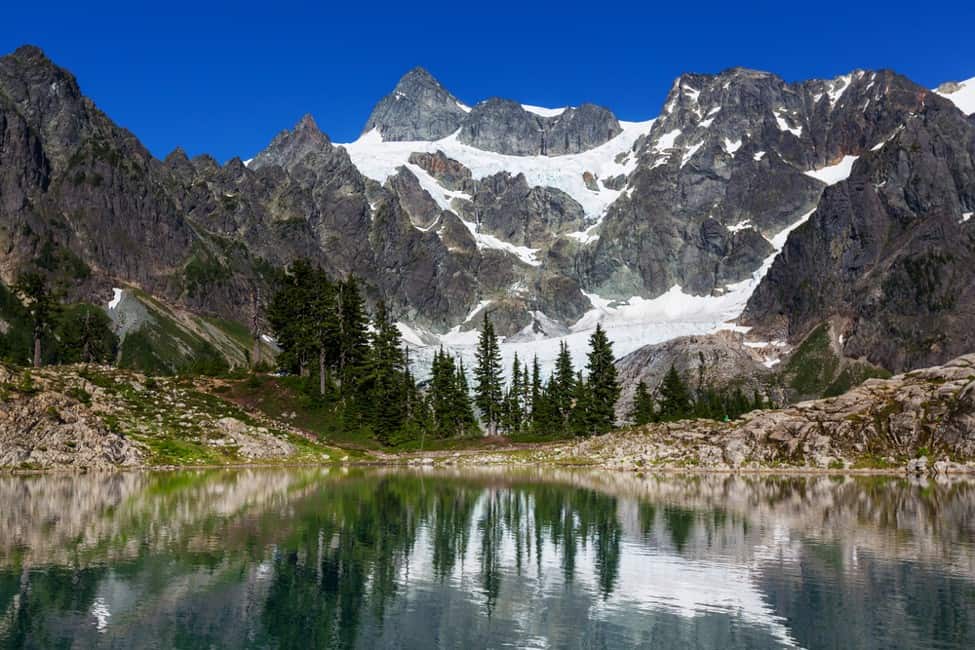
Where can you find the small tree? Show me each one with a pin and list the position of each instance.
(643, 411)
(604, 387)
(42, 305)
(675, 399)
(487, 377)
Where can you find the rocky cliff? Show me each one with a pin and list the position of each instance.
(542, 217)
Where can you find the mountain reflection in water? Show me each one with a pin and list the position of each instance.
(316, 558)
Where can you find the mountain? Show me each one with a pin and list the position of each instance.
(551, 220)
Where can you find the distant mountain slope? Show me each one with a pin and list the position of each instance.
(549, 219)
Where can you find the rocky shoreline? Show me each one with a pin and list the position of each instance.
(921, 422)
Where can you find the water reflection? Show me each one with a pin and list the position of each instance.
(313, 558)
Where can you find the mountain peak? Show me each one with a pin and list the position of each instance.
(419, 108)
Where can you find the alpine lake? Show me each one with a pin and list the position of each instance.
(350, 557)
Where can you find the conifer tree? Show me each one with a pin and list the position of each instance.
(675, 399)
(579, 423)
(353, 337)
(42, 304)
(563, 387)
(385, 377)
(643, 410)
(535, 397)
(604, 388)
(487, 377)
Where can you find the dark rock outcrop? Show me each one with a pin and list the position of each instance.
(419, 108)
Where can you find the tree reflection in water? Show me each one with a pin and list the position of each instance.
(310, 558)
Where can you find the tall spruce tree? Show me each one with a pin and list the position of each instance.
(579, 414)
(604, 387)
(563, 387)
(385, 377)
(487, 377)
(353, 336)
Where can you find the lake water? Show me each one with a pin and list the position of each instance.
(308, 558)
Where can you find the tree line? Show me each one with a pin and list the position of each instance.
(362, 372)
(678, 402)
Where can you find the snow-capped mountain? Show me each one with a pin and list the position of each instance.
(551, 220)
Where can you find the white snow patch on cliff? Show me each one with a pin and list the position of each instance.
(966, 216)
(379, 160)
(963, 97)
(731, 146)
(116, 298)
(544, 112)
(834, 173)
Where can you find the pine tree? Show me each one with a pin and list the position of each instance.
(535, 393)
(675, 400)
(563, 387)
(487, 377)
(604, 388)
(643, 410)
(42, 304)
(353, 337)
(385, 377)
(463, 411)
(513, 405)
(579, 413)
(322, 322)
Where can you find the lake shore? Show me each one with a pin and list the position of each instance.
(85, 418)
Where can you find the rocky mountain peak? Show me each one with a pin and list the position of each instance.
(419, 108)
(289, 147)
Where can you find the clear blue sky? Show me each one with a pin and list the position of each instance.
(224, 78)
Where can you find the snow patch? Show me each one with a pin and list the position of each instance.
(690, 153)
(834, 173)
(116, 298)
(747, 223)
(666, 141)
(544, 112)
(837, 88)
(379, 160)
(963, 97)
(784, 126)
(966, 216)
(463, 107)
(758, 156)
(731, 146)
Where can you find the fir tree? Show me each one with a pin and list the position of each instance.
(675, 399)
(487, 377)
(385, 377)
(563, 387)
(42, 305)
(579, 413)
(643, 410)
(604, 388)
(353, 338)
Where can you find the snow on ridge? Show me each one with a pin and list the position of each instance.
(963, 97)
(837, 88)
(834, 173)
(544, 112)
(379, 160)
(464, 107)
(630, 324)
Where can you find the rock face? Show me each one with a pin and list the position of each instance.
(418, 109)
(890, 249)
(719, 361)
(699, 200)
(503, 126)
(882, 423)
(46, 428)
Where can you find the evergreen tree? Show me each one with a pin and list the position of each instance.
(462, 402)
(84, 334)
(487, 377)
(322, 322)
(579, 413)
(563, 387)
(513, 405)
(42, 304)
(353, 337)
(675, 399)
(535, 397)
(385, 377)
(643, 410)
(604, 388)
(290, 318)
